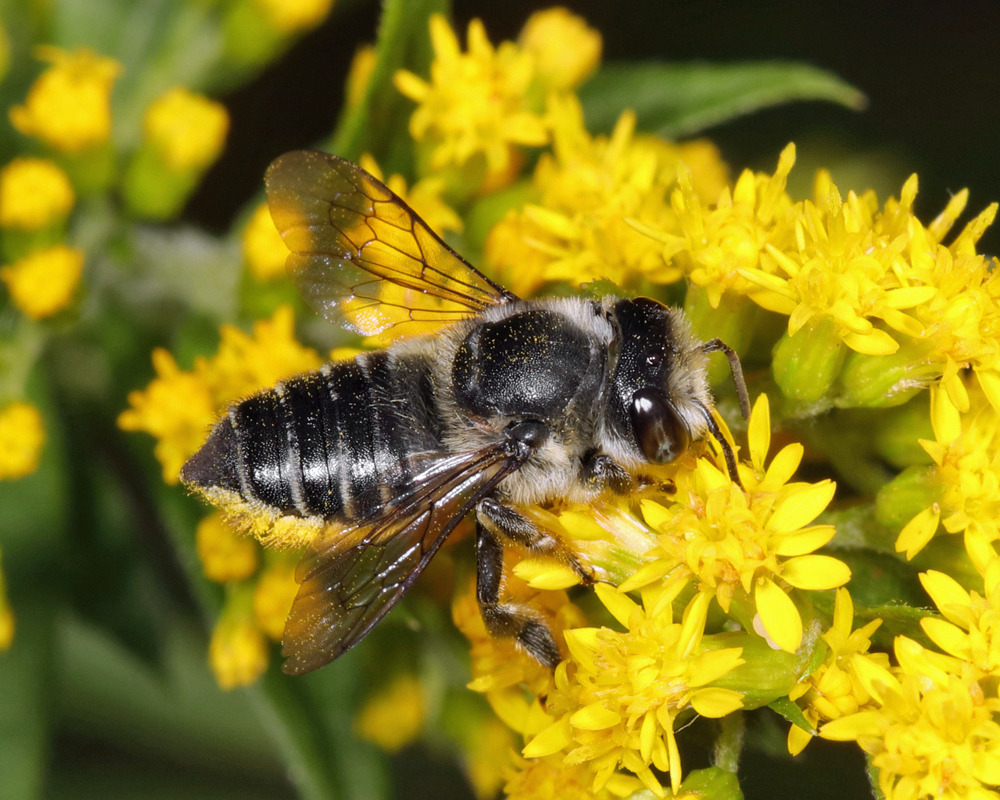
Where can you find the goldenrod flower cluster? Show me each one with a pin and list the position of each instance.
(718, 591)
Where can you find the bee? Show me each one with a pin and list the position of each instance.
(498, 403)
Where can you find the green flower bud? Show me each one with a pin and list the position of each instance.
(905, 496)
(152, 190)
(734, 322)
(883, 381)
(897, 433)
(713, 783)
(806, 364)
(767, 674)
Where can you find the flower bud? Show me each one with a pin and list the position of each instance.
(807, 363)
(891, 380)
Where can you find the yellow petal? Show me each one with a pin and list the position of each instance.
(918, 532)
(802, 507)
(945, 418)
(715, 703)
(944, 590)
(759, 432)
(989, 380)
(619, 605)
(875, 343)
(948, 637)
(594, 717)
(779, 615)
(544, 573)
(654, 514)
(551, 740)
(783, 466)
(852, 727)
(815, 573)
(802, 541)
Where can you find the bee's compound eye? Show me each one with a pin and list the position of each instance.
(659, 431)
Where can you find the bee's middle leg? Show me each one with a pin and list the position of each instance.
(508, 620)
(507, 523)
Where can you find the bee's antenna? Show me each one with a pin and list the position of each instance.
(719, 346)
(727, 451)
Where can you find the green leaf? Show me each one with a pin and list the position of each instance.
(677, 100)
(25, 689)
(792, 713)
(378, 123)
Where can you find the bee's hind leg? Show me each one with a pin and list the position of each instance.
(508, 619)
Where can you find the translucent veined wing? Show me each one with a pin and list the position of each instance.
(361, 257)
(355, 575)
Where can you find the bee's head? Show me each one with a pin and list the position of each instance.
(659, 400)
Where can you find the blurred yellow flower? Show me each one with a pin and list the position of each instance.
(487, 752)
(618, 696)
(476, 102)
(34, 194)
(289, 16)
(359, 74)
(834, 690)
(8, 625)
(575, 229)
(273, 596)
(178, 407)
(394, 717)
(187, 130)
(43, 282)
(754, 539)
(225, 555)
(549, 777)
(263, 248)
(22, 435)
(424, 197)
(238, 651)
(69, 106)
(567, 50)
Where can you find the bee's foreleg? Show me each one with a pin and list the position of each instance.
(505, 522)
(507, 619)
(603, 472)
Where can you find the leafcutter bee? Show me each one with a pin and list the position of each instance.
(497, 404)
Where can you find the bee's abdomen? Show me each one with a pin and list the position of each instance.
(330, 443)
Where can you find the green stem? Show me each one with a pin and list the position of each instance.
(729, 743)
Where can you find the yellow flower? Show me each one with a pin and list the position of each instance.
(566, 49)
(618, 697)
(716, 235)
(934, 731)
(34, 194)
(69, 106)
(359, 74)
(583, 193)
(289, 16)
(487, 752)
(424, 197)
(834, 689)
(273, 596)
(237, 653)
(966, 473)
(179, 407)
(43, 282)
(7, 622)
(754, 540)
(263, 248)
(22, 436)
(476, 103)
(224, 554)
(547, 778)
(970, 630)
(187, 130)
(394, 717)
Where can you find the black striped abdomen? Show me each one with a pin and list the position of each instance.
(332, 443)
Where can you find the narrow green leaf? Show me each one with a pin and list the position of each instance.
(25, 678)
(378, 123)
(683, 99)
(792, 713)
